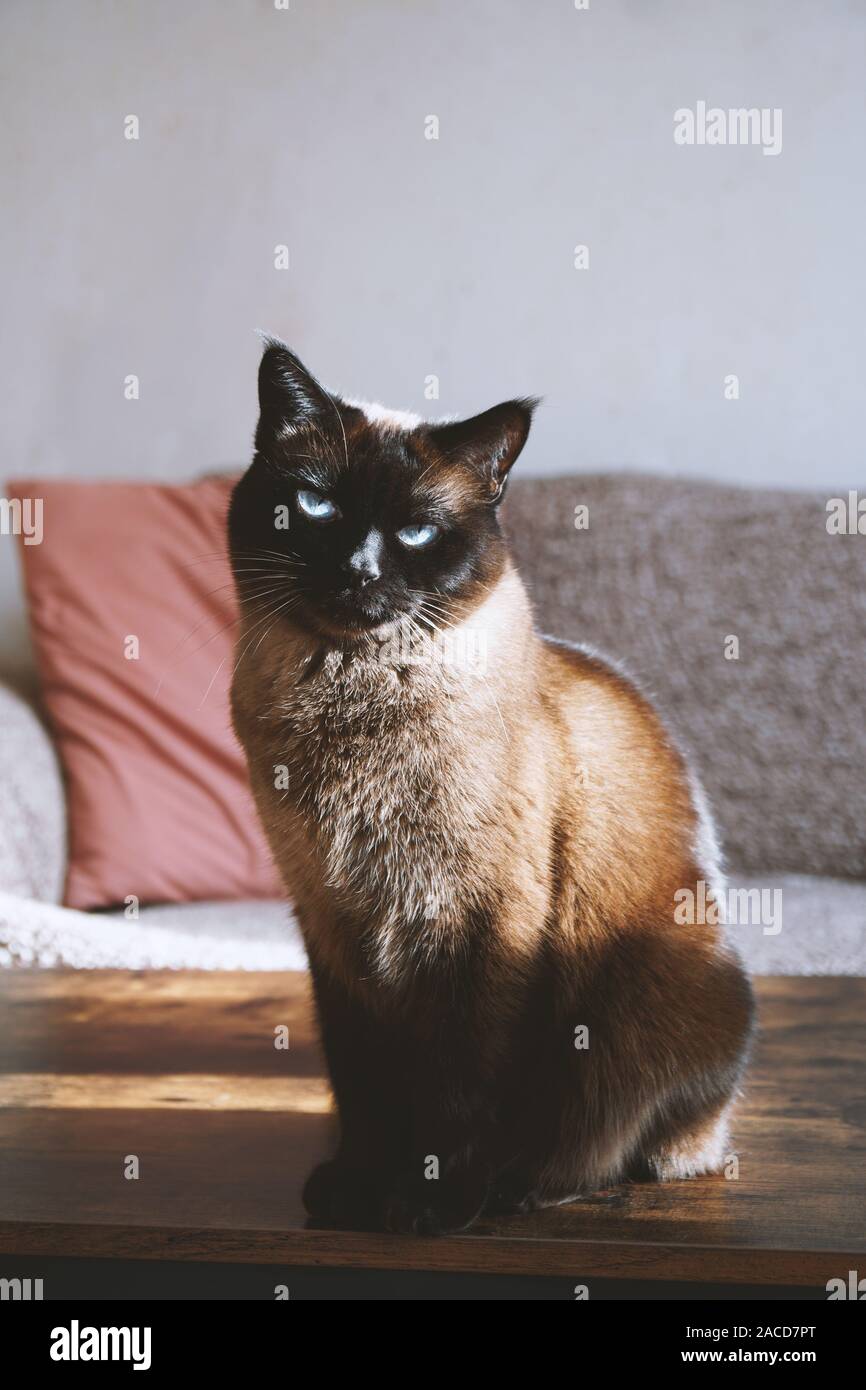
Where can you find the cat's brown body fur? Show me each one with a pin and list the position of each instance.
(483, 861)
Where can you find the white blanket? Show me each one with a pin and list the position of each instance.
(195, 936)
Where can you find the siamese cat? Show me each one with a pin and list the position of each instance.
(483, 832)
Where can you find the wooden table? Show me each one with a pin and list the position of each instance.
(180, 1069)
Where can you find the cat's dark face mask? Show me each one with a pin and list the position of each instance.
(344, 523)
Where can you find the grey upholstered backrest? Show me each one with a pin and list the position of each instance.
(665, 573)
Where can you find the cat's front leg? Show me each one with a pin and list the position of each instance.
(445, 1183)
(365, 1063)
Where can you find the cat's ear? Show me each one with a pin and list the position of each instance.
(288, 393)
(488, 443)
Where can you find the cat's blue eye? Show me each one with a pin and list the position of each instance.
(317, 507)
(415, 537)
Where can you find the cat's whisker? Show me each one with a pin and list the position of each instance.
(222, 556)
(429, 613)
(436, 613)
(255, 612)
(212, 556)
(496, 703)
(270, 557)
(425, 614)
(289, 555)
(313, 458)
(236, 666)
(254, 598)
(206, 619)
(428, 621)
(170, 666)
(432, 596)
(274, 614)
(269, 571)
(327, 446)
(285, 607)
(243, 579)
(267, 550)
(426, 598)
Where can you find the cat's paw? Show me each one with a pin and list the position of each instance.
(436, 1206)
(513, 1193)
(338, 1194)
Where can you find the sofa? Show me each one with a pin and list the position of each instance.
(736, 609)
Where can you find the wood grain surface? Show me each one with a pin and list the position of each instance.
(180, 1069)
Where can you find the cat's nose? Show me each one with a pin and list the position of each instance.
(364, 565)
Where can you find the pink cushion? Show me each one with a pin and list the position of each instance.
(158, 795)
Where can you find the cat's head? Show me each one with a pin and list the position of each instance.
(350, 517)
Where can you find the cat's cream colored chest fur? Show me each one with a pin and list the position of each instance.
(380, 765)
(399, 780)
